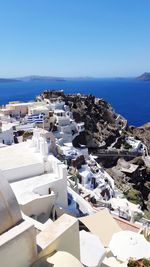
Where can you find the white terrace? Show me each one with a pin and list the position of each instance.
(38, 179)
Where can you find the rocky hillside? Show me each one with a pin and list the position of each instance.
(101, 128)
(133, 179)
(142, 133)
(99, 119)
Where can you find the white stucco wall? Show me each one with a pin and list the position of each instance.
(42, 204)
(59, 187)
(57, 167)
(23, 172)
(56, 105)
(63, 121)
(20, 161)
(18, 246)
(63, 234)
(18, 108)
(31, 191)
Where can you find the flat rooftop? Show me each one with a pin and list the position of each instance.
(40, 107)
(59, 111)
(19, 104)
(18, 155)
(8, 125)
(80, 123)
(132, 168)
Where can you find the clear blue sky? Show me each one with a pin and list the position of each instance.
(100, 38)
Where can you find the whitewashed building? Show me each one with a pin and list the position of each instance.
(136, 145)
(17, 108)
(24, 242)
(38, 179)
(6, 133)
(38, 108)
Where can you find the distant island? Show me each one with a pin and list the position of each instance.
(33, 78)
(8, 80)
(43, 78)
(40, 78)
(144, 77)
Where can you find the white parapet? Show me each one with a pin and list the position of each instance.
(43, 147)
(63, 234)
(19, 161)
(18, 246)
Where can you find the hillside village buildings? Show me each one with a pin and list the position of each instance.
(39, 185)
(62, 128)
(48, 213)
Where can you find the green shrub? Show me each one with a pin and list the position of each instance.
(134, 196)
(147, 214)
(127, 146)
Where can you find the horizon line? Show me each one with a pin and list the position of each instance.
(67, 77)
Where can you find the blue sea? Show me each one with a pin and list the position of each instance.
(129, 97)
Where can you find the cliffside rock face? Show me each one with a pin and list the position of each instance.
(101, 129)
(102, 126)
(142, 133)
(98, 116)
(135, 185)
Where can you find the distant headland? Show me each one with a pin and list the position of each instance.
(144, 77)
(43, 78)
(33, 78)
(8, 80)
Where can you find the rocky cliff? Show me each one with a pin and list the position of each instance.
(133, 179)
(142, 133)
(99, 119)
(101, 126)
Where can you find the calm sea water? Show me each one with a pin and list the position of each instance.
(129, 97)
